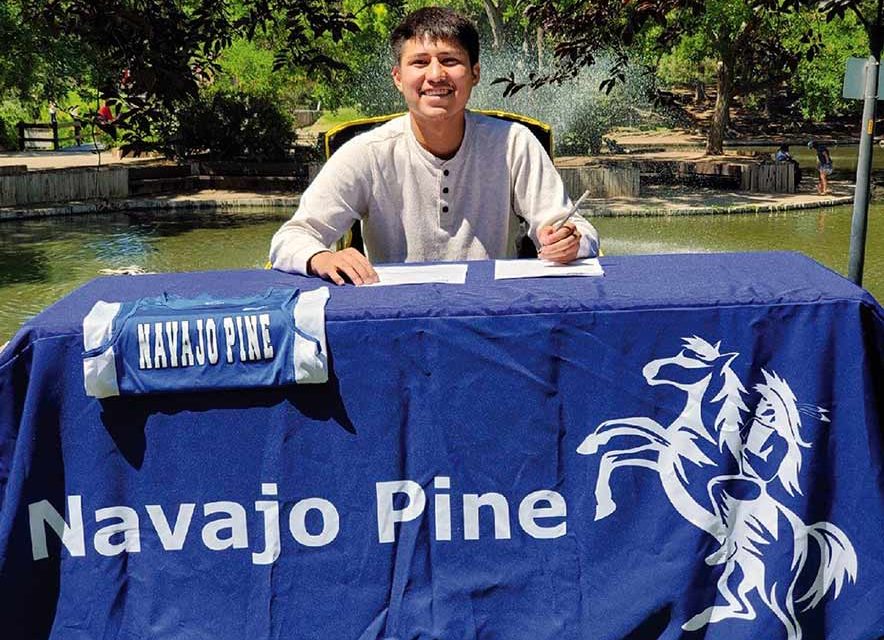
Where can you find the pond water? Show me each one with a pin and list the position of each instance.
(42, 260)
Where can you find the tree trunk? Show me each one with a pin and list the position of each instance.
(699, 92)
(495, 19)
(539, 36)
(726, 116)
(721, 114)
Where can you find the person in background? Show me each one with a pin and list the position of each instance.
(823, 165)
(74, 113)
(104, 114)
(439, 183)
(783, 155)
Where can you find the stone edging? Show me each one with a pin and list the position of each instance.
(232, 204)
(601, 211)
(147, 204)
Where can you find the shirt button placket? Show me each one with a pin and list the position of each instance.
(444, 217)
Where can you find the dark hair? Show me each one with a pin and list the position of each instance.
(436, 23)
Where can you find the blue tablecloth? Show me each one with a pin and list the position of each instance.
(687, 447)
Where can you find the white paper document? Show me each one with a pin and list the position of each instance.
(507, 269)
(421, 274)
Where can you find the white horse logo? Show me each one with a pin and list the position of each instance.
(742, 516)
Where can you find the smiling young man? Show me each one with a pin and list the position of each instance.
(439, 183)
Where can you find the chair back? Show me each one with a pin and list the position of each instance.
(346, 131)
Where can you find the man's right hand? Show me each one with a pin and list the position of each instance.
(338, 265)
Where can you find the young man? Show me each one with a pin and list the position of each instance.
(439, 183)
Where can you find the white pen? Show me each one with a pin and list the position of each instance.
(571, 211)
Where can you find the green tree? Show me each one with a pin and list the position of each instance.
(247, 67)
(150, 57)
(739, 38)
(818, 78)
(869, 14)
(34, 70)
(32, 66)
(365, 81)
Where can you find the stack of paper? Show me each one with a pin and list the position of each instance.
(507, 269)
(420, 274)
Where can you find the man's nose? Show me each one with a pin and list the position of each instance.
(435, 71)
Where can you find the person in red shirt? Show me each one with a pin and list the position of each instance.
(104, 114)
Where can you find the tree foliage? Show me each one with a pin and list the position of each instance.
(228, 125)
(33, 65)
(150, 57)
(717, 28)
(753, 44)
(818, 77)
(365, 81)
(867, 13)
(153, 60)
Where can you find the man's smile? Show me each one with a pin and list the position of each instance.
(437, 92)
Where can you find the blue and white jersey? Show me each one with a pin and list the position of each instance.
(169, 344)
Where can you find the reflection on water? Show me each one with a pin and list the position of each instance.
(42, 260)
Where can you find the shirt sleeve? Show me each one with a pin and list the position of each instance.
(539, 196)
(336, 198)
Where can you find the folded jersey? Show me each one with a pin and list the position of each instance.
(171, 344)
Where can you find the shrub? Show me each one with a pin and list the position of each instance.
(11, 111)
(232, 125)
(592, 121)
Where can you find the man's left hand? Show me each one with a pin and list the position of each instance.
(559, 245)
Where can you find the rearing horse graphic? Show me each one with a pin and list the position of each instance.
(753, 529)
(693, 370)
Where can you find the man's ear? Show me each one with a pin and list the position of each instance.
(476, 74)
(397, 77)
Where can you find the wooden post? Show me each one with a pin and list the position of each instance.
(21, 135)
(54, 135)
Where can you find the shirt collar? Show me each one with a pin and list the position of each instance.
(435, 161)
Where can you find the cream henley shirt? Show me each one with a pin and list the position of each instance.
(415, 207)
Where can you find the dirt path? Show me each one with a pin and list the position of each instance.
(36, 160)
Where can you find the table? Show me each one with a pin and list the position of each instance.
(685, 447)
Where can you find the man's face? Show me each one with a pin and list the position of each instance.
(435, 77)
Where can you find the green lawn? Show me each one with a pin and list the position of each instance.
(328, 119)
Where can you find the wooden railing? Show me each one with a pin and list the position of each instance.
(306, 117)
(25, 135)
